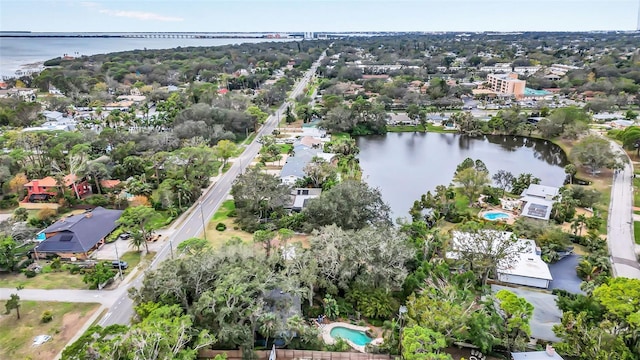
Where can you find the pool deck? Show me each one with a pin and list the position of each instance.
(328, 339)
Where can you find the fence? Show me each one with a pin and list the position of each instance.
(284, 354)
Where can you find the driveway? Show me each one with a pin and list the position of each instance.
(564, 274)
(545, 313)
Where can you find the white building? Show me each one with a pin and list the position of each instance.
(524, 267)
(537, 201)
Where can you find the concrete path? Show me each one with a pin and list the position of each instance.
(620, 223)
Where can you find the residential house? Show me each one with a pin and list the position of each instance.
(293, 169)
(548, 354)
(42, 190)
(537, 201)
(284, 306)
(300, 197)
(525, 267)
(76, 236)
(24, 94)
(400, 119)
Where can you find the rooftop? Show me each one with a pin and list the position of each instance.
(536, 355)
(526, 263)
(79, 233)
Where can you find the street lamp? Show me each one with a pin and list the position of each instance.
(204, 226)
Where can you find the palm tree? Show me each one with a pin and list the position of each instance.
(137, 240)
(578, 224)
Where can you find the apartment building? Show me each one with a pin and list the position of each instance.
(507, 84)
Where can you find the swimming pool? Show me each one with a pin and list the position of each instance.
(495, 215)
(355, 336)
(534, 92)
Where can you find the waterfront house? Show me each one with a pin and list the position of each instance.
(300, 197)
(523, 267)
(76, 236)
(293, 169)
(537, 201)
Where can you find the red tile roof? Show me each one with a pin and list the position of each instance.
(48, 182)
(108, 184)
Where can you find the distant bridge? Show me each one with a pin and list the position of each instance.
(158, 35)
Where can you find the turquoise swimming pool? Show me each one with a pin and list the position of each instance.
(534, 92)
(495, 215)
(356, 337)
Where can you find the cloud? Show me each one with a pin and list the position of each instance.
(140, 15)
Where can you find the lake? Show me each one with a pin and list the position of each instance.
(406, 165)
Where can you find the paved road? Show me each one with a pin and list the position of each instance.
(122, 309)
(82, 296)
(620, 224)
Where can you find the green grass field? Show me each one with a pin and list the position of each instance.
(16, 336)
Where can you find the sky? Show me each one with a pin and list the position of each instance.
(316, 15)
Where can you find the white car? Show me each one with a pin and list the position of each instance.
(41, 339)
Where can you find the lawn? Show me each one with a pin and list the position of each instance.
(133, 258)
(636, 231)
(285, 148)
(16, 336)
(225, 209)
(161, 219)
(218, 238)
(49, 280)
(248, 140)
(341, 135)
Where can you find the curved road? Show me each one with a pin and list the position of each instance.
(620, 223)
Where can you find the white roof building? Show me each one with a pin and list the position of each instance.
(548, 354)
(538, 201)
(524, 268)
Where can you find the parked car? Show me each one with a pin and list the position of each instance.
(123, 264)
(124, 236)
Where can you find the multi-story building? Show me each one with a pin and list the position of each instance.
(507, 84)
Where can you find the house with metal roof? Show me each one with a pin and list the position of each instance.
(548, 354)
(523, 265)
(537, 201)
(77, 236)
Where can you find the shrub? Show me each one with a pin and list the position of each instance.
(221, 227)
(232, 213)
(46, 316)
(55, 264)
(29, 273)
(74, 269)
(97, 200)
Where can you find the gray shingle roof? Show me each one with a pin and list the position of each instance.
(295, 164)
(80, 233)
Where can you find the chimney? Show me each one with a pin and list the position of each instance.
(551, 352)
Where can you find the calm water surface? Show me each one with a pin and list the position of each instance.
(406, 165)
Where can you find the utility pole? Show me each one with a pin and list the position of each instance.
(115, 245)
(204, 225)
